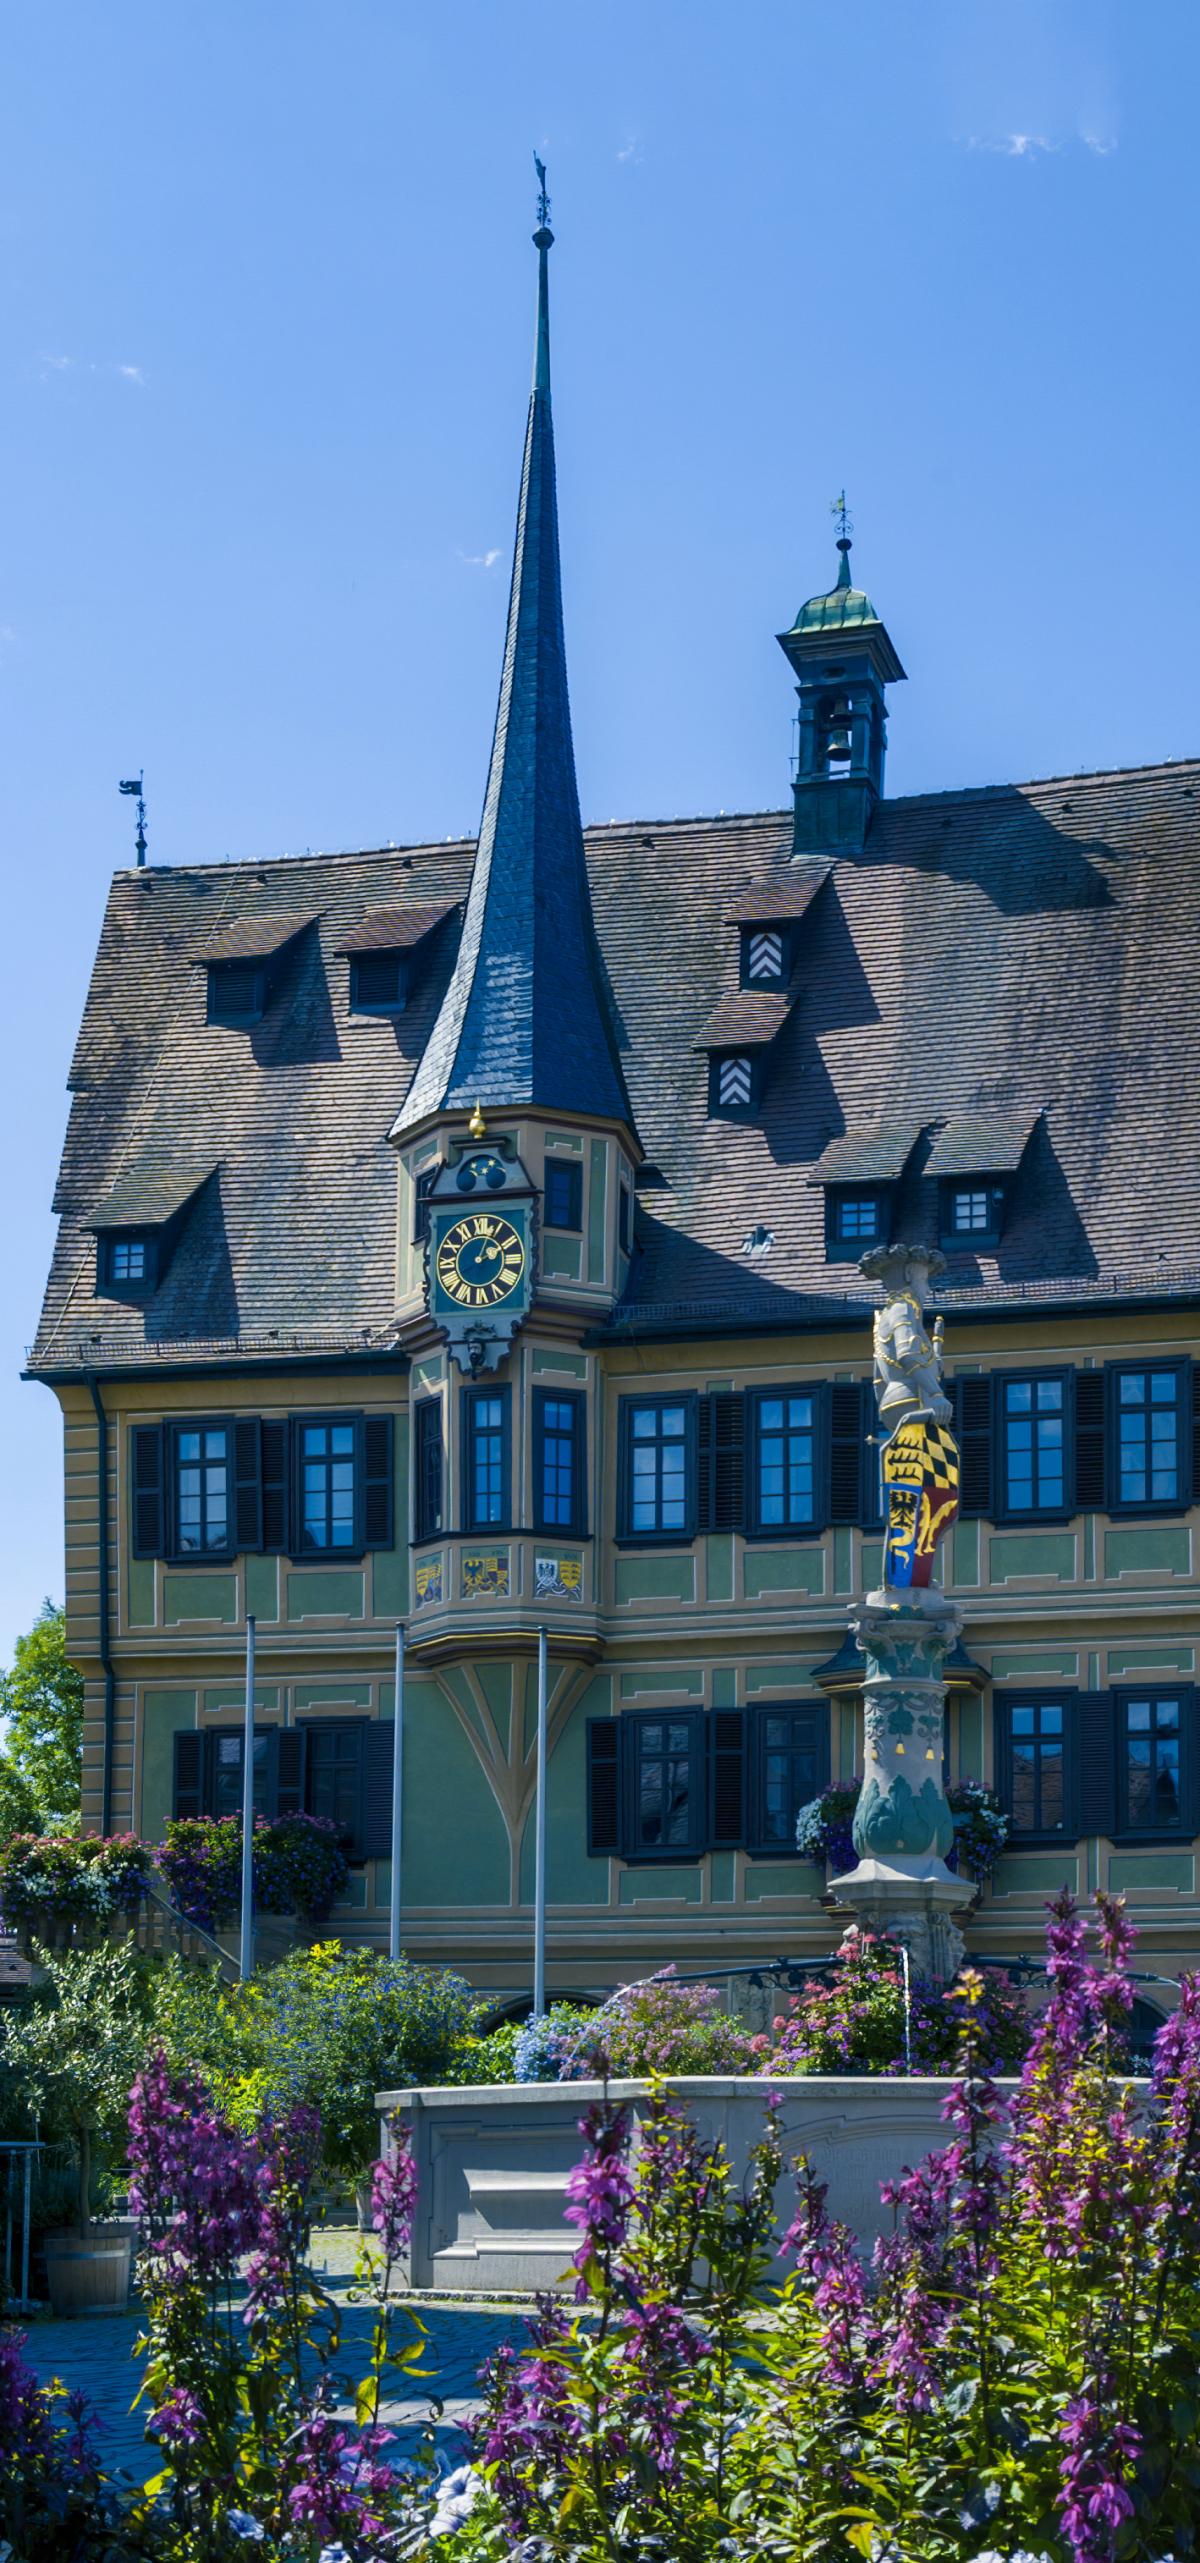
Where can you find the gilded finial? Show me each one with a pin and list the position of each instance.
(477, 1126)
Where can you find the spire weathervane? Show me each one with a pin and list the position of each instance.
(543, 199)
(845, 521)
(134, 791)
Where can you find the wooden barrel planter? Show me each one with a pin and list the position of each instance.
(90, 2275)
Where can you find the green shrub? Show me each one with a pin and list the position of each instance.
(333, 2026)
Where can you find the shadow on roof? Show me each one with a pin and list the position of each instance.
(1003, 843)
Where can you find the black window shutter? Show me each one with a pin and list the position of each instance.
(379, 1740)
(1189, 1711)
(377, 1481)
(721, 1461)
(247, 1483)
(427, 1467)
(727, 1779)
(1091, 1492)
(274, 1462)
(972, 1402)
(1195, 1488)
(603, 1785)
(288, 1792)
(845, 1450)
(1093, 1719)
(147, 1475)
(187, 1785)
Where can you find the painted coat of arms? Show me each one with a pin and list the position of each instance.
(557, 1578)
(920, 1476)
(427, 1581)
(484, 1573)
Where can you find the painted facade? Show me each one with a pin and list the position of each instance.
(687, 1049)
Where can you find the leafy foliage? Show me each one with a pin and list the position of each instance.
(71, 2054)
(855, 2022)
(41, 1696)
(332, 2026)
(72, 1877)
(298, 1866)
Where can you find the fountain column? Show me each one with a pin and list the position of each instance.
(903, 1827)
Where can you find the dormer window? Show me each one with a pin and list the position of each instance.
(733, 1085)
(764, 956)
(976, 1159)
(137, 1228)
(854, 1220)
(382, 951)
(245, 962)
(972, 1213)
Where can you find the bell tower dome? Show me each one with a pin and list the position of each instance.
(843, 659)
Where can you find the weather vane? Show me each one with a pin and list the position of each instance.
(845, 522)
(543, 199)
(134, 791)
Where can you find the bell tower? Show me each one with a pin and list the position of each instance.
(843, 659)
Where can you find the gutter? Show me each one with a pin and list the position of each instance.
(110, 1679)
(229, 1365)
(682, 1329)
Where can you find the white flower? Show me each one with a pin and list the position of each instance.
(243, 2525)
(456, 2499)
(331, 2553)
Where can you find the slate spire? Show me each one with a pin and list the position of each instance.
(525, 1019)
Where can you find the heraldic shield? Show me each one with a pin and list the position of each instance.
(920, 1475)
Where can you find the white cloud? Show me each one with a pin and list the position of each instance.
(480, 560)
(1100, 143)
(631, 149)
(1014, 146)
(132, 374)
(54, 364)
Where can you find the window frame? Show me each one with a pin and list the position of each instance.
(427, 1410)
(719, 1059)
(360, 1005)
(758, 1843)
(298, 1550)
(1002, 1509)
(1125, 1696)
(780, 926)
(1049, 1696)
(1136, 1508)
(951, 1236)
(423, 1181)
(640, 1855)
(626, 1536)
(111, 1286)
(570, 1168)
(174, 1554)
(468, 1527)
(576, 1399)
(756, 1529)
(236, 1018)
(847, 1250)
(316, 1729)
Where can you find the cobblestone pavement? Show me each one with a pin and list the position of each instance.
(95, 2352)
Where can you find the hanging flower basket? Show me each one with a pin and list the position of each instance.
(824, 1828)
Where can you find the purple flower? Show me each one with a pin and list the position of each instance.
(394, 2192)
(600, 2190)
(179, 2422)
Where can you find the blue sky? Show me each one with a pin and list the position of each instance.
(265, 323)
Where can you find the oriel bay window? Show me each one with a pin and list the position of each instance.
(486, 1463)
(427, 1468)
(559, 1423)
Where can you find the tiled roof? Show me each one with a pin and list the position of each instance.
(981, 1143)
(150, 1193)
(396, 929)
(748, 1020)
(789, 899)
(876, 1154)
(254, 938)
(1018, 951)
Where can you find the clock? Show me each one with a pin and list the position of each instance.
(480, 1260)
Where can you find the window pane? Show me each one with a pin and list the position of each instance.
(1051, 1787)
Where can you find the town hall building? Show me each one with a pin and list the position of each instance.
(468, 1236)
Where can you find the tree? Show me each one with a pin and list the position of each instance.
(41, 1696)
(72, 2052)
(18, 1807)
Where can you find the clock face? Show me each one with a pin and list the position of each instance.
(480, 1260)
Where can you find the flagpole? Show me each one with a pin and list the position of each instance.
(247, 1948)
(397, 1794)
(539, 1842)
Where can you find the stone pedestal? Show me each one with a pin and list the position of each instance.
(903, 1826)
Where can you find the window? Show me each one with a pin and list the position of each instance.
(328, 1487)
(1033, 1445)
(125, 1264)
(853, 1221)
(1148, 1436)
(785, 1460)
(225, 1772)
(1036, 1790)
(658, 1469)
(972, 1212)
(1149, 1780)
(422, 1187)
(564, 1193)
(763, 956)
(625, 1220)
(665, 1807)
(203, 1524)
(427, 1465)
(558, 1450)
(732, 1084)
(237, 991)
(790, 1765)
(485, 1458)
(333, 1783)
(378, 983)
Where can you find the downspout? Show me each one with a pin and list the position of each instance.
(110, 1679)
